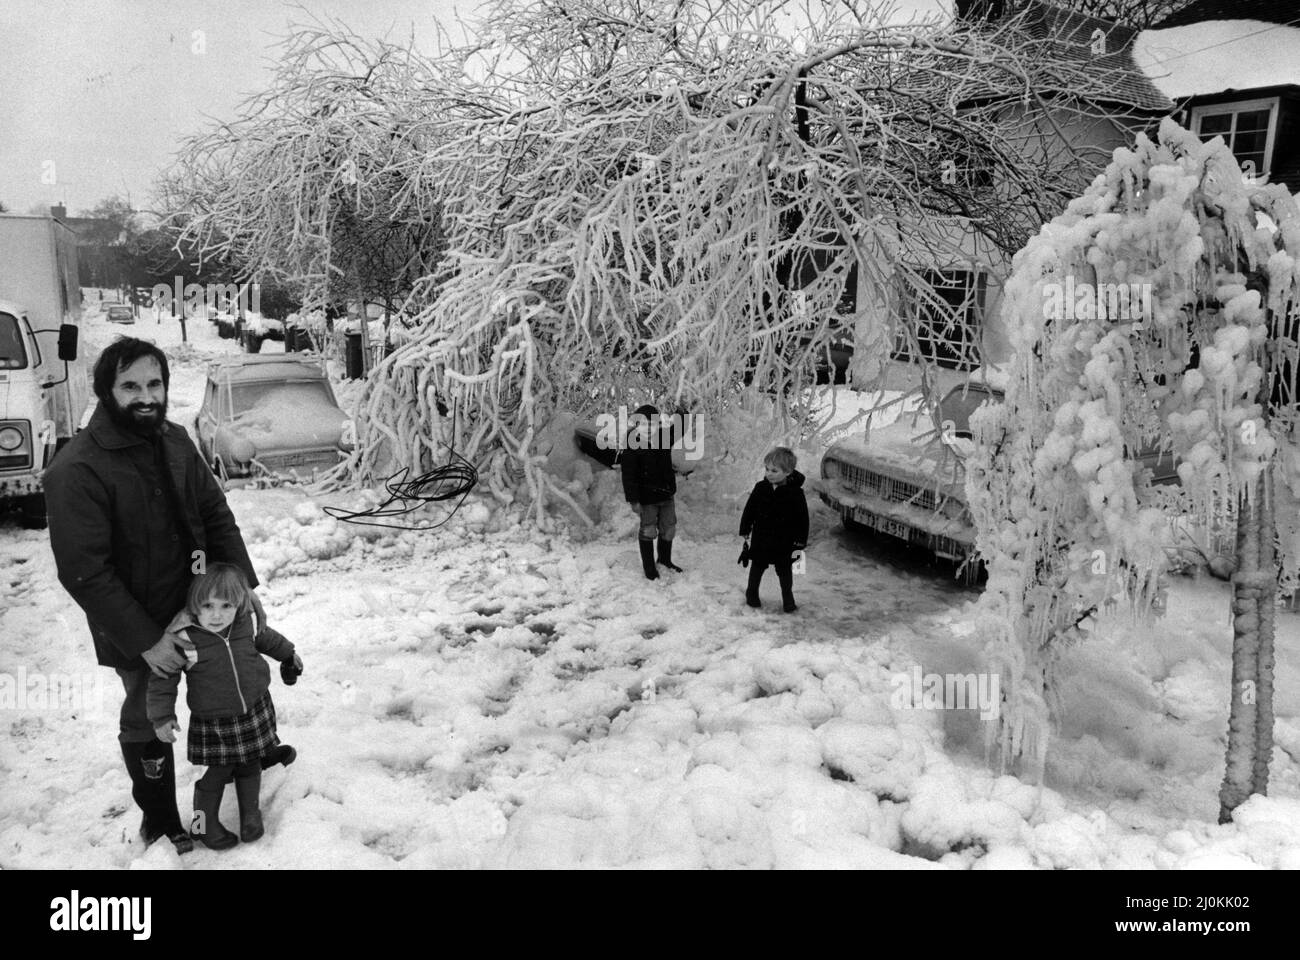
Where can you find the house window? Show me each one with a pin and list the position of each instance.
(945, 311)
(1247, 127)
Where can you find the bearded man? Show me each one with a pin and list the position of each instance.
(134, 513)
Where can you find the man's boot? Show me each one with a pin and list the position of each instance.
(648, 559)
(666, 555)
(248, 787)
(206, 828)
(152, 768)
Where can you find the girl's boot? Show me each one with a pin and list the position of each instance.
(280, 753)
(206, 828)
(248, 787)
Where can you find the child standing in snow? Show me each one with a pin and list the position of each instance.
(649, 485)
(232, 719)
(776, 515)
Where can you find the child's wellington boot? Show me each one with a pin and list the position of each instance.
(280, 753)
(206, 828)
(648, 558)
(248, 789)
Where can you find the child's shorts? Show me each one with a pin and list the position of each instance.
(658, 519)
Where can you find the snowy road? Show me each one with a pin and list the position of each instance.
(483, 696)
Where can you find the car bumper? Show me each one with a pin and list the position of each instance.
(950, 545)
(20, 485)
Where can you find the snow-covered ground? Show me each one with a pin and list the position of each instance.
(479, 695)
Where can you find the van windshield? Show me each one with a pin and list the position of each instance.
(13, 355)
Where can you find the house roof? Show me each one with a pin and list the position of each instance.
(1265, 11)
(1219, 56)
(1068, 36)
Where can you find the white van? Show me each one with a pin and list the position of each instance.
(43, 387)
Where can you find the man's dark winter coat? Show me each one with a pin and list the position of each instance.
(119, 546)
(776, 519)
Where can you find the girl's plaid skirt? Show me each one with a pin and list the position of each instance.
(234, 740)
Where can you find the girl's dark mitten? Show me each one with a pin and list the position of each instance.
(288, 672)
(744, 555)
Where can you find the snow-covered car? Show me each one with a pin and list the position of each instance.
(908, 482)
(105, 304)
(271, 415)
(120, 313)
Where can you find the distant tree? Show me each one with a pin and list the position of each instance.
(118, 222)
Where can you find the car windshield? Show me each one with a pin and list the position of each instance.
(273, 394)
(961, 402)
(13, 356)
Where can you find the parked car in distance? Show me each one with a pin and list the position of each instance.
(120, 313)
(903, 481)
(271, 415)
(105, 304)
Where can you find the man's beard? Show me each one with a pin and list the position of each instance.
(132, 418)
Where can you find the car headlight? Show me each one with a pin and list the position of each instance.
(11, 438)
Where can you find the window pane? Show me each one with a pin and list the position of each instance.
(1248, 142)
(1252, 120)
(1215, 124)
(945, 318)
(12, 354)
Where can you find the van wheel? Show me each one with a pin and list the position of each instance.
(32, 509)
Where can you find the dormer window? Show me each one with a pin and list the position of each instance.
(1248, 127)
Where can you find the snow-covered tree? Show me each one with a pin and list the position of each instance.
(1160, 309)
(642, 200)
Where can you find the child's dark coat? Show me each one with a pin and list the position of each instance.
(776, 520)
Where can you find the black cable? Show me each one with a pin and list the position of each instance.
(456, 478)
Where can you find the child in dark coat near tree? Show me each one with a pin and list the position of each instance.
(232, 719)
(649, 485)
(776, 515)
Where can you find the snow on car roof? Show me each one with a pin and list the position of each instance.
(270, 367)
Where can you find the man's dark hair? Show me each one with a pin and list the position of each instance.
(123, 352)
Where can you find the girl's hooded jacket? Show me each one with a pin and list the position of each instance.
(227, 674)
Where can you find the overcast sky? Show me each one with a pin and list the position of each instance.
(96, 94)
